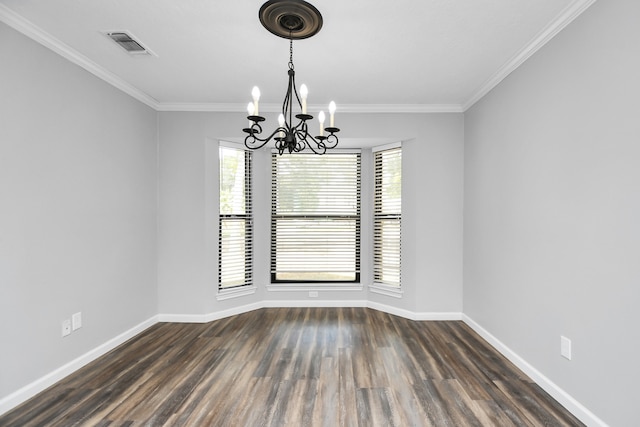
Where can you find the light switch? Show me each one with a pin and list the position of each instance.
(565, 347)
(76, 321)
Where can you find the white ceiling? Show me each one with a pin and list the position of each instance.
(371, 55)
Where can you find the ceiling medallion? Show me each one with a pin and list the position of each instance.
(290, 19)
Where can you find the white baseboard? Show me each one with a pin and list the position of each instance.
(314, 303)
(204, 318)
(572, 405)
(27, 392)
(209, 317)
(412, 315)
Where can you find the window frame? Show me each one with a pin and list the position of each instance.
(380, 286)
(247, 286)
(289, 284)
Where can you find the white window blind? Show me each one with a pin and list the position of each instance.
(235, 255)
(387, 216)
(315, 218)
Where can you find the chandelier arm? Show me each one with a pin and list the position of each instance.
(301, 129)
(250, 140)
(295, 90)
(326, 142)
(255, 126)
(286, 104)
(331, 141)
(305, 138)
(318, 149)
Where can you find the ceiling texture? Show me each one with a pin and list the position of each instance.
(370, 56)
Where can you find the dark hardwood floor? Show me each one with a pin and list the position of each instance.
(298, 367)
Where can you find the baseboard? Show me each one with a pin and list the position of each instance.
(27, 392)
(209, 317)
(412, 315)
(571, 404)
(314, 303)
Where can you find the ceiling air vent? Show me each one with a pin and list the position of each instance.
(128, 43)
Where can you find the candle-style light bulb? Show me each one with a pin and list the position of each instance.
(332, 111)
(281, 124)
(255, 93)
(303, 93)
(321, 120)
(250, 110)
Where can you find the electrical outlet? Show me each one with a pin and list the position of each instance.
(565, 347)
(76, 321)
(66, 327)
(313, 294)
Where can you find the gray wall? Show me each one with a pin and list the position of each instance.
(77, 210)
(432, 211)
(552, 210)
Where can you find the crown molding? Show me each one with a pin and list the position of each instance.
(564, 18)
(30, 30)
(347, 108)
(398, 108)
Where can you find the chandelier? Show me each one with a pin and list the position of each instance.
(294, 20)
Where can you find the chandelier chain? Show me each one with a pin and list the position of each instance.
(291, 54)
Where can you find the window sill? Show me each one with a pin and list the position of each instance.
(390, 291)
(225, 294)
(284, 287)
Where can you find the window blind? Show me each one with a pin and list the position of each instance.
(387, 216)
(315, 218)
(235, 254)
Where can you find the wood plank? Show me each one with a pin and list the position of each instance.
(326, 409)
